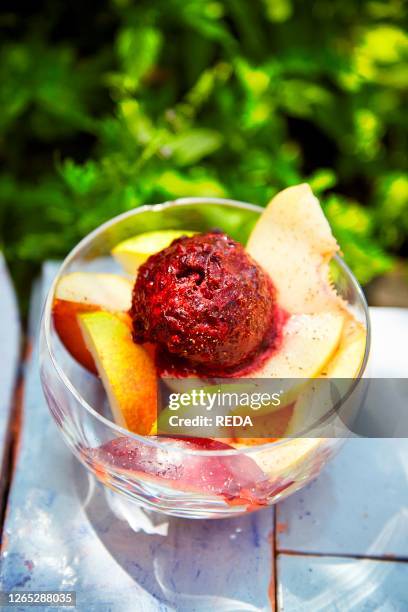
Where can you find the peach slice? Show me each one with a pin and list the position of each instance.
(317, 400)
(347, 360)
(308, 344)
(288, 460)
(127, 370)
(314, 401)
(292, 241)
(81, 292)
(309, 341)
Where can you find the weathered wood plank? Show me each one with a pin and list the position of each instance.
(9, 361)
(335, 584)
(359, 505)
(64, 531)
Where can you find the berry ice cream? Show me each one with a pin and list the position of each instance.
(204, 299)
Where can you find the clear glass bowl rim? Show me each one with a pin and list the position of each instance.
(117, 429)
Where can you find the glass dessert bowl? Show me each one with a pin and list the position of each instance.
(100, 367)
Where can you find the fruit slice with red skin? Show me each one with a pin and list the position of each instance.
(231, 476)
(127, 370)
(65, 316)
(81, 292)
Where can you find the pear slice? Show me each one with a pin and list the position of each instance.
(81, 292)
(127, 370)
(347, 360)
(317, 399)
(292, 241)
(308, 344)
(313, 402)
(309, 341)
(133, 252)
(292, 459)
(191, 408)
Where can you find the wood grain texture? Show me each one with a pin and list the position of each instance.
(335, 584)
(359, 505)
(9, 362)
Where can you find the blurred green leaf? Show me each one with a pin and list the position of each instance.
(138, 49)
(144, 101)
(80, 178)
(190, 147)
(392, 209)
(278, 10)
(354, 227)
(177, 185)
(321, 180)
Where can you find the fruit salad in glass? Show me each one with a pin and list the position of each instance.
(184, 295)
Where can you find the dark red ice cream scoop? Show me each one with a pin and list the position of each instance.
(205, 299)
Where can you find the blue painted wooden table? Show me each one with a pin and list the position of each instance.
(340, 544)
(9, 362)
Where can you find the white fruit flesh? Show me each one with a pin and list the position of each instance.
(347, 360)
(315, 401)
(108, 291)
(293, 242)
(309, 341)
(288, 458)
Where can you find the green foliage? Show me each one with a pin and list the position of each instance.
(108, 107)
